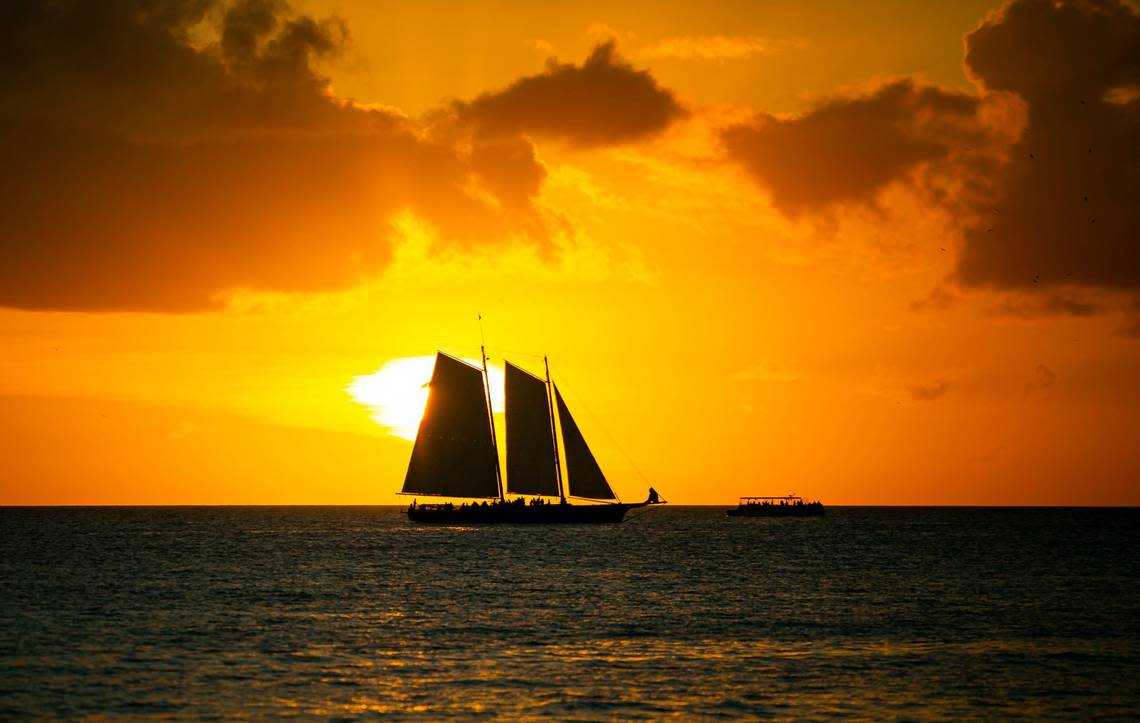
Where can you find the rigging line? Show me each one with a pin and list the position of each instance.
(579, 401)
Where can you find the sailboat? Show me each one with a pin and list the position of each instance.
(455, 454)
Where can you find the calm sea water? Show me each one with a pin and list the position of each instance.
(678, 612)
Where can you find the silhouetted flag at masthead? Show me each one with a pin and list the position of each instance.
(531, 468)
(454, 454)
(585, 477)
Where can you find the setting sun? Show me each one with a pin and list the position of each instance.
(396, 394)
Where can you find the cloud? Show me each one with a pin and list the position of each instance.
(1039, 169)
(143, 170)
(1131, 327)
(940, 298)
(1049, 303)
(160, 155)
(1042, 382)
(714, 47)
(1068, 197)
(927, 392)
(508, 167)
(604, 101)
(850, 148)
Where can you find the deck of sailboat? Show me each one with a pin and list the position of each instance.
(519, 514)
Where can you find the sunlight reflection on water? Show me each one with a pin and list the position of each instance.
(343, 611)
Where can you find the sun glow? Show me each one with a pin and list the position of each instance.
(397, 393)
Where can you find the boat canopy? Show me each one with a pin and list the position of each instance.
(788, 498)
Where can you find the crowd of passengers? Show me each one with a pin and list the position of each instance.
(783, 503)
(516, 502)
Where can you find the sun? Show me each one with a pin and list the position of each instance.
(397, 393)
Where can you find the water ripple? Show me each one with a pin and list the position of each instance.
(343, 612)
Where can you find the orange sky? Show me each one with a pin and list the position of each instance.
(880, 253)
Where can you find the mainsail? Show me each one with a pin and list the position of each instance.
(585, 477)
(531, 467)
(454, 453)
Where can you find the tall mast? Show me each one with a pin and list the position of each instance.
(490, 411)
(553, 431)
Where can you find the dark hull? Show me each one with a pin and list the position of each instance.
(519, 514)
(776, 511)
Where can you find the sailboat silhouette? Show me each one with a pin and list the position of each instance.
(456, 456)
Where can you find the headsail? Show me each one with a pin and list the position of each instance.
(585, 477)
(454, 454)
(530, 444)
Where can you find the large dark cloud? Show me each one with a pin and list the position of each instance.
(156, 154)
(139, 170)
(1046, 197)
(848, 149)
(603, 101)
(1068, 203)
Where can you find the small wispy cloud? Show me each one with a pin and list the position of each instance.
(927, 392)
(543, 47)
(1130, 328)
(1038, 307)
(716, 47)
(1043, 380)
(940, 298)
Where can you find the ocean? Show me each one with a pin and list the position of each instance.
(678, 612)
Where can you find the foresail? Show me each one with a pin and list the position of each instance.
(454, 455)
(584, 475)
(531, 467)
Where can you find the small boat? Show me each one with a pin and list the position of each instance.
(786, 506)
(455, 454)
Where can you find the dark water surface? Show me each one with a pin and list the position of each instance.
(340, 611)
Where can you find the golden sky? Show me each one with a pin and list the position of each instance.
(872, 253)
